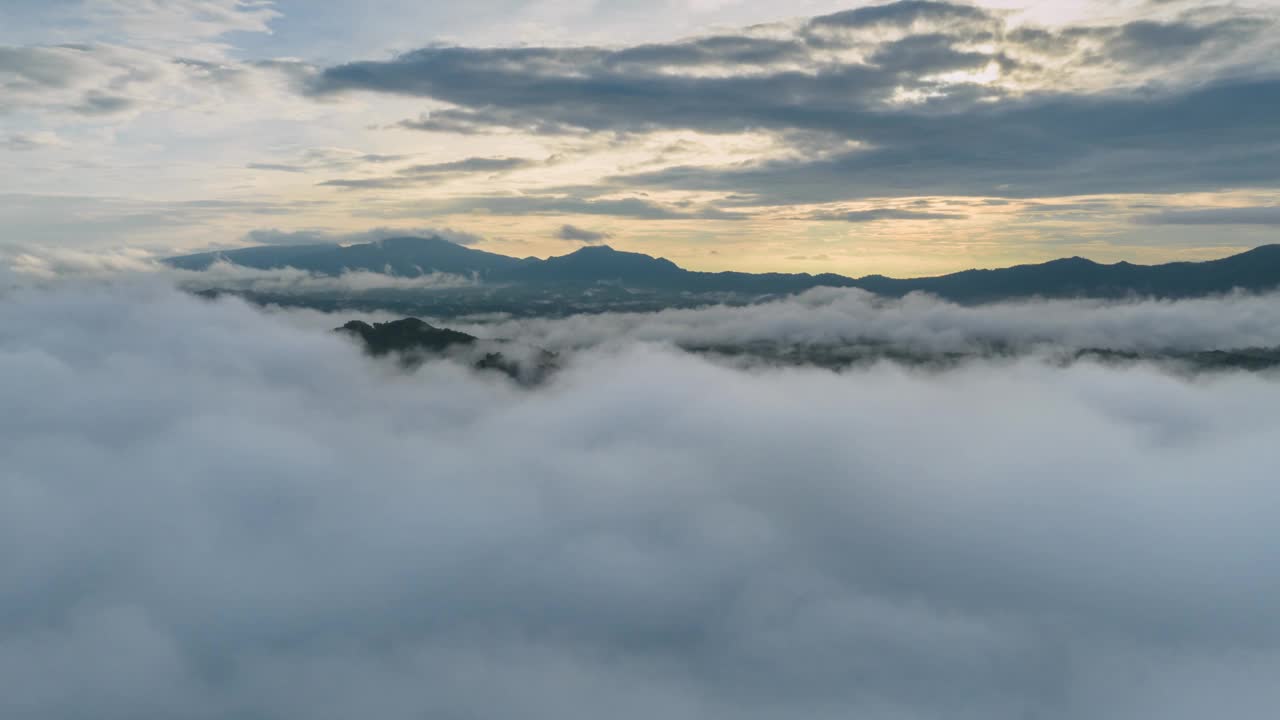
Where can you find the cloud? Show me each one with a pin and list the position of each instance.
(327, 158)
(39, 67)
(277, 167)
(878, 214)
(273, 236)
(1261, 215)
(418, 174)
(226, 277)
(490, 121)
(930, 54)
(211, 513)
(98, 103)
(1208, 138)
(469, 165)
(52, 263)
(106, 83)
(904, 13)
(633, 207)
(577, 234)
(920, 323)
(54, 267)
(935, 98)
(65, 77)
(184, 18)
(26, 142)
(1146, 42)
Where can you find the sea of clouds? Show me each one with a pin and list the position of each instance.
(918, 322)
(25, 266)
(211, 511)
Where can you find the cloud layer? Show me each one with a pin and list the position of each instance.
(936, 99)
(209, 513)
(923, 323)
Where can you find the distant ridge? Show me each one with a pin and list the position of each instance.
(1256, 270)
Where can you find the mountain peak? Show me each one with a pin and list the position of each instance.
(1073, 261)
(597, 264)
(606, 254)
(403, 335)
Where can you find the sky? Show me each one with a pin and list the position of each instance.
(907, 138)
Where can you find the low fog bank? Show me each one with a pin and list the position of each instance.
(25, 267)
(225, 277)
(207, 511)
(833, 316)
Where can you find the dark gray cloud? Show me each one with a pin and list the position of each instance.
(878, 214)
(27, 142)
(653, 536)
(1081, 206)
(488, 121)
(1220, 135)
(102, 80)
(634, 207)
(583, 88)
(903, 14)
(322, 158)
(418, 174)
(26, 68)
(1262, 215)
(272, 236)
(1201, 130)
(726, 50)
(469, 165)
(215, 72)
(582, 235)
(276, 167)
(51, 76)
(375, 183)
(933, 53)
(1147, 42)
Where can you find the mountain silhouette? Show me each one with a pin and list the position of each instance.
(1255, 270)
(407, 335)
(597, 264)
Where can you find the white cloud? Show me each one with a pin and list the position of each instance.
(273, 236)
(921, 322)
(56, 263)
(25, 142)
(54, 267)
(205, 512)
(174, 21)
(225, 276)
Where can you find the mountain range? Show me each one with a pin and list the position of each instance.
(595, 266)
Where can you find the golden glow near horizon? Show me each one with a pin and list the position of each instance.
(176, 128)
